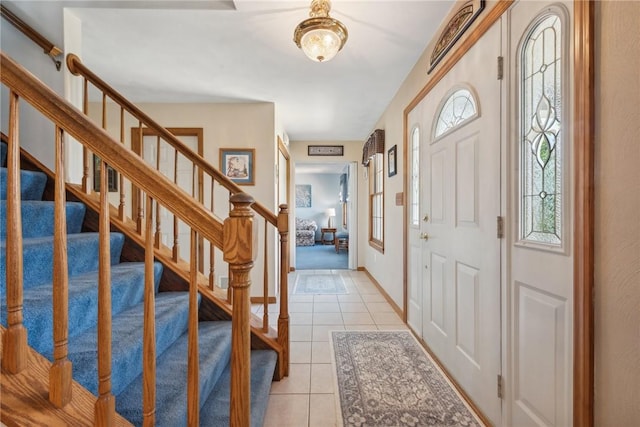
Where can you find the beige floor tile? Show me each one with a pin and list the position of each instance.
(326, 307)
(300, 352)
(367, 289)
(298, 381)
(372, 327)
(373, 298)
(327, 318)
(355, 297)
(300, 298)
(320, 352)
(322, 378)
(353, 307)
(380, 307)
(321, 332)
(325, 298)
(300, 333)
(395, 327)
(300, 319)
(301, 307)
(357, 319)
(287, 410)
(387, 319)
(322, 411)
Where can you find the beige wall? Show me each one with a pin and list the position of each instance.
(617, 227)
(245, 125)
(384, 266)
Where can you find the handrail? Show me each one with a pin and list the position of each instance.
(76, 67)
(51, 105)
(49, 48)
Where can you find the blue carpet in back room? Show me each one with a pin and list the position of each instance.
(321, 257)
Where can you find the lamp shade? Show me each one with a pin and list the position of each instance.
(331, 212)
(320, 37)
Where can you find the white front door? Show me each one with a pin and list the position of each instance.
(540, 273)
(461, 189)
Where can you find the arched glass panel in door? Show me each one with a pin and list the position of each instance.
(459, 108)
(541, 133)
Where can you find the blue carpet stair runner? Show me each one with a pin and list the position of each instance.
(127, 281)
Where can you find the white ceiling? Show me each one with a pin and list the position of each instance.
(243, 51)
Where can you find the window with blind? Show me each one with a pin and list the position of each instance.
(373, 159)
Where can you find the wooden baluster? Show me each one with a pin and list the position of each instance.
(212, 249)
(195, 185)
(283, 319)
(140, 215)
(14, 343)
(158, 239)
(104, 111)
(106, 403)
(60, 373)
(193, 399)
(240, 254)
(149, 368)
(265, 282)
(176, 242)
(121, 206)
(85, 152)
(229, 272)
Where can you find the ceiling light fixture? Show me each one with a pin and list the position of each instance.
(320, 37)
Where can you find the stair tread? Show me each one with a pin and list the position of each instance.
(32, 184)
(215, 411)
(172, 311)
(82, 254)
(214, 339)
(37, 218)
(127, 290)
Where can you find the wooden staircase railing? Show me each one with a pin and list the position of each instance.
(234, 237)
(205, 184)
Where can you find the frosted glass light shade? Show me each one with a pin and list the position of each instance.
(320, 37)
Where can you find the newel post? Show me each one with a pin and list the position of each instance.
(240, 250)
(283, 319)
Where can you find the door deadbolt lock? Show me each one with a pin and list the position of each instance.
(424, 236)
(426, 218)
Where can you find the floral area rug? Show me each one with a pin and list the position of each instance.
(312, 284)
(385, 378)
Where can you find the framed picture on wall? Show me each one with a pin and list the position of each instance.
(238, 164)
(303, 196)
(392, 160)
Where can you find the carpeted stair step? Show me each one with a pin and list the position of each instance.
(31, 184)
(172, 310)
(127, 289)
(171, 380)
(82, 254)
(37, 218)
(215, 411)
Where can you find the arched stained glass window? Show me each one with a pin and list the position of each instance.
(541, 133)
(459, 108)
(415, 177)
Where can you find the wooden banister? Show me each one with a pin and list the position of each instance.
(14, 340)
(48, 47)
(60, 379)
(149, 331)
(76, 67)
(240, 253)
(52, 106)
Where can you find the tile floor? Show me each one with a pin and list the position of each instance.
(306, 398)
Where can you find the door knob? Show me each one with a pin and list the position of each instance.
(426, 218)
(424, 236)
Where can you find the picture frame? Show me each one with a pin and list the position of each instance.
(303, 196)
(452, 28)
(325, 150)
(112, 176)
(238, 164)
(392, 160)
